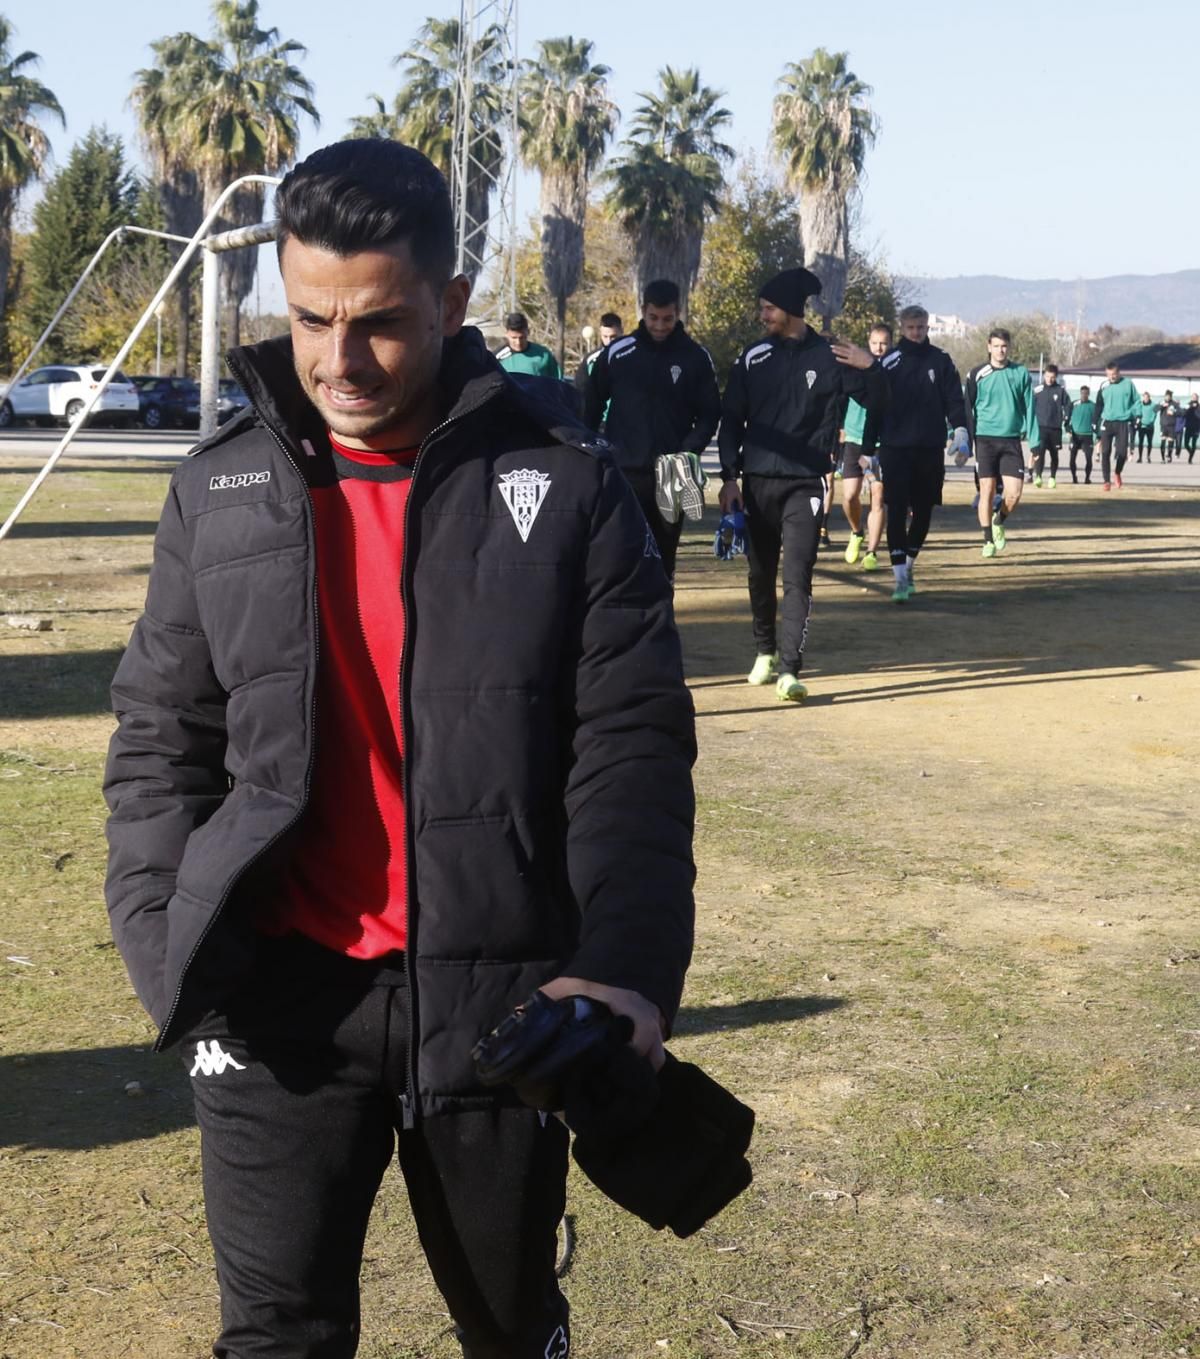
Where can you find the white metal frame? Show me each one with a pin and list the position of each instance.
(210, 341)
(497, 250)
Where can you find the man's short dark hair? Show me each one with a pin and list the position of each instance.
(369, 192)
(1083, 389)
(1052, 368)
(998, 333)
(884, 326)
(516, 320)
(612, 321)
(1111, 365)
(661, 293)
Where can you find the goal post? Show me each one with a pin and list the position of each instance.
(223, 241)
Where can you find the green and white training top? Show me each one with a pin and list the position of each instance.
(854, 426)
(1000, 403)
(1118, 401)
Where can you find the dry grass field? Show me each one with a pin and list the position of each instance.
(947, 947)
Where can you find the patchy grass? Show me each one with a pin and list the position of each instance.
(946, 946)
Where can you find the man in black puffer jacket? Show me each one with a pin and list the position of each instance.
(402, 735)
(655, 392)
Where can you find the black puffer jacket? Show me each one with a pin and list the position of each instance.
(548, 732)
(653, 398)
(926, 398)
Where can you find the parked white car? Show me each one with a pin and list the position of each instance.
(59, 392)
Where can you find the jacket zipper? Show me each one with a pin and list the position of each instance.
(312, 727)
(408, 1100)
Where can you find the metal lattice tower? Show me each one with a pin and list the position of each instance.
(483, 179)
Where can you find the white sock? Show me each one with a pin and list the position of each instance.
(912, 561)
(900, 572)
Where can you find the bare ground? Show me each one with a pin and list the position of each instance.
(947, 947)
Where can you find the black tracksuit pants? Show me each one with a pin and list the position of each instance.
(1145, 441)
(1049, 442)
(1113, 431)
(913, 479)
(1082, 442)
(297, 1090)
(666, 536)
(783, 515)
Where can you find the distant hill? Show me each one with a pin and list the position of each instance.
(1168, 302)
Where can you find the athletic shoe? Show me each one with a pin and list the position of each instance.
(999, 537)
(764, 670)
(853, 548)
(902, 593)
(788, 689)
(1037, 481)
(989, 551)
(870, 562)
(1051, 484)
(1117, 479)
(912, 587)
(824, 544)
(1108, 485)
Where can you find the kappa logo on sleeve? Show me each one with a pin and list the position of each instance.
(238, 480)
(558, 1346)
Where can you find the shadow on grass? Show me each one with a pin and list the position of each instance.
(105, 527)
(77, 1100)
(693, 1019)
(61, 684)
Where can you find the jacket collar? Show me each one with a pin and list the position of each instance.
(906, 346)
(676, 340)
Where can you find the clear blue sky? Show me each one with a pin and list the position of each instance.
(1001, 123)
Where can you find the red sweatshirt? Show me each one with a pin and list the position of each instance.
(346, 884)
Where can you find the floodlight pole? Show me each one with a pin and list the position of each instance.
(168, 283)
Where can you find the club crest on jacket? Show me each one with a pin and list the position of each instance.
(676, 373)
(523, 492)
(810, 378)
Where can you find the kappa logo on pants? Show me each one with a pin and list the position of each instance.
(212, 1060)
(558, 1346)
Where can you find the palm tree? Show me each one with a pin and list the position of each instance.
(822, 128)
(231, 104)
(157, 98)
(669, 180)
(24, 147)
(427, 104)
(566, 122)
(380, 123)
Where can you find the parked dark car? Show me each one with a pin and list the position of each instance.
(168, 402)
(230, 400)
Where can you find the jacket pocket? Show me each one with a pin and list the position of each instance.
(483, 895)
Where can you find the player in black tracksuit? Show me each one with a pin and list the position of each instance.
(925, 400)
(782, 409)
(1052, 407)
(654, 392)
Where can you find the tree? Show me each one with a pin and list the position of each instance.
(427, 104)
(92, 195)
(603, 286)
(566, 122)
(159, 95)
(822, 128)
(380, 123)
(232, 103)
(753, 238)
(668, 182)
(24, 146)
(871, 296)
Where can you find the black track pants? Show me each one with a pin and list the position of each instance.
(1116, 431)
(1082, 442)
(297, 1093)
(783, 515)
(1145, 441)
(1049, 443)
(913, 479)
(666, 536)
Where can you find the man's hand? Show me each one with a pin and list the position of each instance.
(729, 498)
(851, 355)
(648, 1024)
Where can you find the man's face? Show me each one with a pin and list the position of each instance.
(915, 329)
(774, 320)
(1145, 398)
(367, 333)
(610, 333)
(879, 342)
(518, 340)
(660, 321)
(1084, 393)
(997, 351)
(1050, 376)
(1114, 373)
